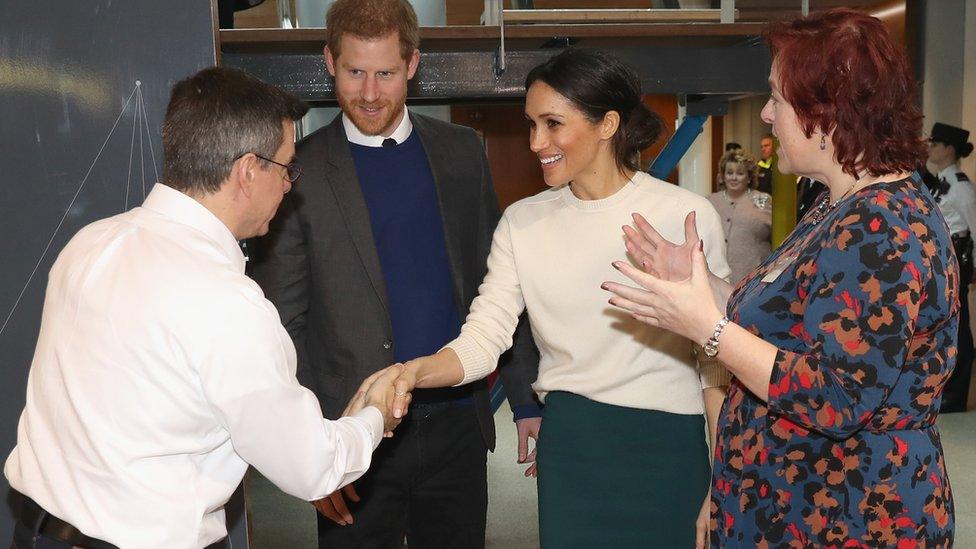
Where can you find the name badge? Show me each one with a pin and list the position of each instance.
(778, 267)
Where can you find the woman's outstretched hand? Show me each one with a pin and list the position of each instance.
(683, 306)
(658, 256)
(702, 523)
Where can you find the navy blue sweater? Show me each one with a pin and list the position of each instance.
(408, 230)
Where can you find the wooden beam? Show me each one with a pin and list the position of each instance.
(611, 16)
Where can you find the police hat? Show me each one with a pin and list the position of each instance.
(950, 135)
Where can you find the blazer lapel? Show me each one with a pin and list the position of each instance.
(441, 163)
(341, 177)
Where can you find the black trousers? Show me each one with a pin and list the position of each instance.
(25, 538)
(955, 396)
(32, 533)
(428, 483)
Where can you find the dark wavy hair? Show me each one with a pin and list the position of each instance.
(841, 72)
(959, 150)
(597, 83)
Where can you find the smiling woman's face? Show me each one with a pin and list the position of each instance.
(736, 178)
(566, 142)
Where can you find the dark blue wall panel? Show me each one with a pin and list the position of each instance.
(67, 71)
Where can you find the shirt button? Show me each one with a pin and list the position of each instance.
(387, 344)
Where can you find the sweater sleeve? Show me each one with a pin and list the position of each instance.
(494, 314)
(711, 372)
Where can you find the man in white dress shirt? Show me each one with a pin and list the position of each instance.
(161, 370)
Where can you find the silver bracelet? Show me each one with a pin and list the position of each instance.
(711, 345)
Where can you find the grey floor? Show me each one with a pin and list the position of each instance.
(278, 521)
(959, 443)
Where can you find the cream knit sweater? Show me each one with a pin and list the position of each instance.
(549, 255)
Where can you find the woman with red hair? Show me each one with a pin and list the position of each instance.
(842, 340)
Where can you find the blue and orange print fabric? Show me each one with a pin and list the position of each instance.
(863, 309)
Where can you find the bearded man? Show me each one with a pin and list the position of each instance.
(376, 260)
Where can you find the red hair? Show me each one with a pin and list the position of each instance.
(841, 72)
(371, 20)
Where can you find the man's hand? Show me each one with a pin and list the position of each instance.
(334, 508)
(528, 428)
(358, 400)
(378, 390)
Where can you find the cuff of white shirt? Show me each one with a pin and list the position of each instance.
(475, 362)
(713, 374)
(373, 418)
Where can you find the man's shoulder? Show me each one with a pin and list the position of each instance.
(429, 126)
(321, 137)
(237, 293)
(90, 238)
(99, 226)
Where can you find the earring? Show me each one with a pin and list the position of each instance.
(823, 141)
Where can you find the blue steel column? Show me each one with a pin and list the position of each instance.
(677, 146)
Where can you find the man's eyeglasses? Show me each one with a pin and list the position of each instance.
(292, 171)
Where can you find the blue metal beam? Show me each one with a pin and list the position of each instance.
(677, 146)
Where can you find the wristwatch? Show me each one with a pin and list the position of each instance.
(710, 347)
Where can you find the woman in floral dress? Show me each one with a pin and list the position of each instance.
(842, 340)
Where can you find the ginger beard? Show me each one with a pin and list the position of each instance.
(371, 76)
(382, 122)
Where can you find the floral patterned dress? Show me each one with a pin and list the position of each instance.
(846, 453)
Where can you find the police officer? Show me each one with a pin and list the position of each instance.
(957, 199)
(766, 149)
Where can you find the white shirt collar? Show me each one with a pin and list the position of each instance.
(183, 209)
(950, 170)
(400, 134)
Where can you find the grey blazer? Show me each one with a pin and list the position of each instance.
(320, 268)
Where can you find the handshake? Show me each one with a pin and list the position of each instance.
(389, 390)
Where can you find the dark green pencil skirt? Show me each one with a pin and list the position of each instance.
(618, 477)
